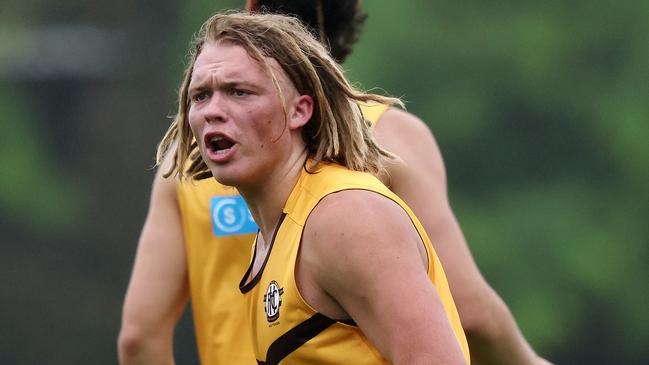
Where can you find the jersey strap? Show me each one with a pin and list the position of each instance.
(296, 337)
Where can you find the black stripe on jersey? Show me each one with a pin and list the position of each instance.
(246, 287)
(296, 337)
(349, 322)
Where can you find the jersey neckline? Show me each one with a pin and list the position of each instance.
(246, 287)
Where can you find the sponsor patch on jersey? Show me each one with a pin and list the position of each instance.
(231, 216)
(272, 301)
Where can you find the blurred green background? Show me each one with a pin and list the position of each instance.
(541, 109)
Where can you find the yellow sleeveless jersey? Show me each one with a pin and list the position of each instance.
(287, 330)
(219, 234)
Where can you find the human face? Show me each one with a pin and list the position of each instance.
(237, 117)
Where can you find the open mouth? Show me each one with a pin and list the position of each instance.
(219, 144)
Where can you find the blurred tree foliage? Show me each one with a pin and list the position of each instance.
(541, 110)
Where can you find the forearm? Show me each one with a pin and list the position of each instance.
(492, 333)
(495, 339)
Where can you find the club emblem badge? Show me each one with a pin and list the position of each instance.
(272, 301)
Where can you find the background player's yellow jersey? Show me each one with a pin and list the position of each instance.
(288, 330)
(219, 233)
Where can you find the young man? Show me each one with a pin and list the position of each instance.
(342, 270)
(214, 255)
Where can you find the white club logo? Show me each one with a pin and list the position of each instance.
(272, 301)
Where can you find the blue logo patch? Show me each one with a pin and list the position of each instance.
(231, 216)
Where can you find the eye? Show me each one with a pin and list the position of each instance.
(199, 96)
(239, 92)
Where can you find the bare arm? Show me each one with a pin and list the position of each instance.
(420, 181)
(362, 258)
(157, 291)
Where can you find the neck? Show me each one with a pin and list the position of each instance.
(266, 202)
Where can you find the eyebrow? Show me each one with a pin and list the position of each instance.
(204, 86)
(203, 82)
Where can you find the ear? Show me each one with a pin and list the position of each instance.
(251, 5)
(301, 113)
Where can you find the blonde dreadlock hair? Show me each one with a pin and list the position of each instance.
(336, 132)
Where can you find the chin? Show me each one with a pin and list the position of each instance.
(223, 179)
(226, 182)
(226, 176)
(238, 175)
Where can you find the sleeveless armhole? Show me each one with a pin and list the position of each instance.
(373, 112)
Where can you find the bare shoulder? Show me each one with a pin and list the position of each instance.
(163, 222)
(404, 123)
(164, 187)
(350, 224)
(353, 211)
(408, 137)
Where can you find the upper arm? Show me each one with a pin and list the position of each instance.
(157, 291)
(362, 250)
(420, 180)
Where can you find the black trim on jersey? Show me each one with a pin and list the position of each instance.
(296, 337)
(349, 322)
(246, 287)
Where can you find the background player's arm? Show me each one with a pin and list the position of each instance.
(365, 259)
(157, 291)
(420, 181)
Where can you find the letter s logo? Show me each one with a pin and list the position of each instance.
(231, 216)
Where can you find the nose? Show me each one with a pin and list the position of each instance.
(215, 110)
